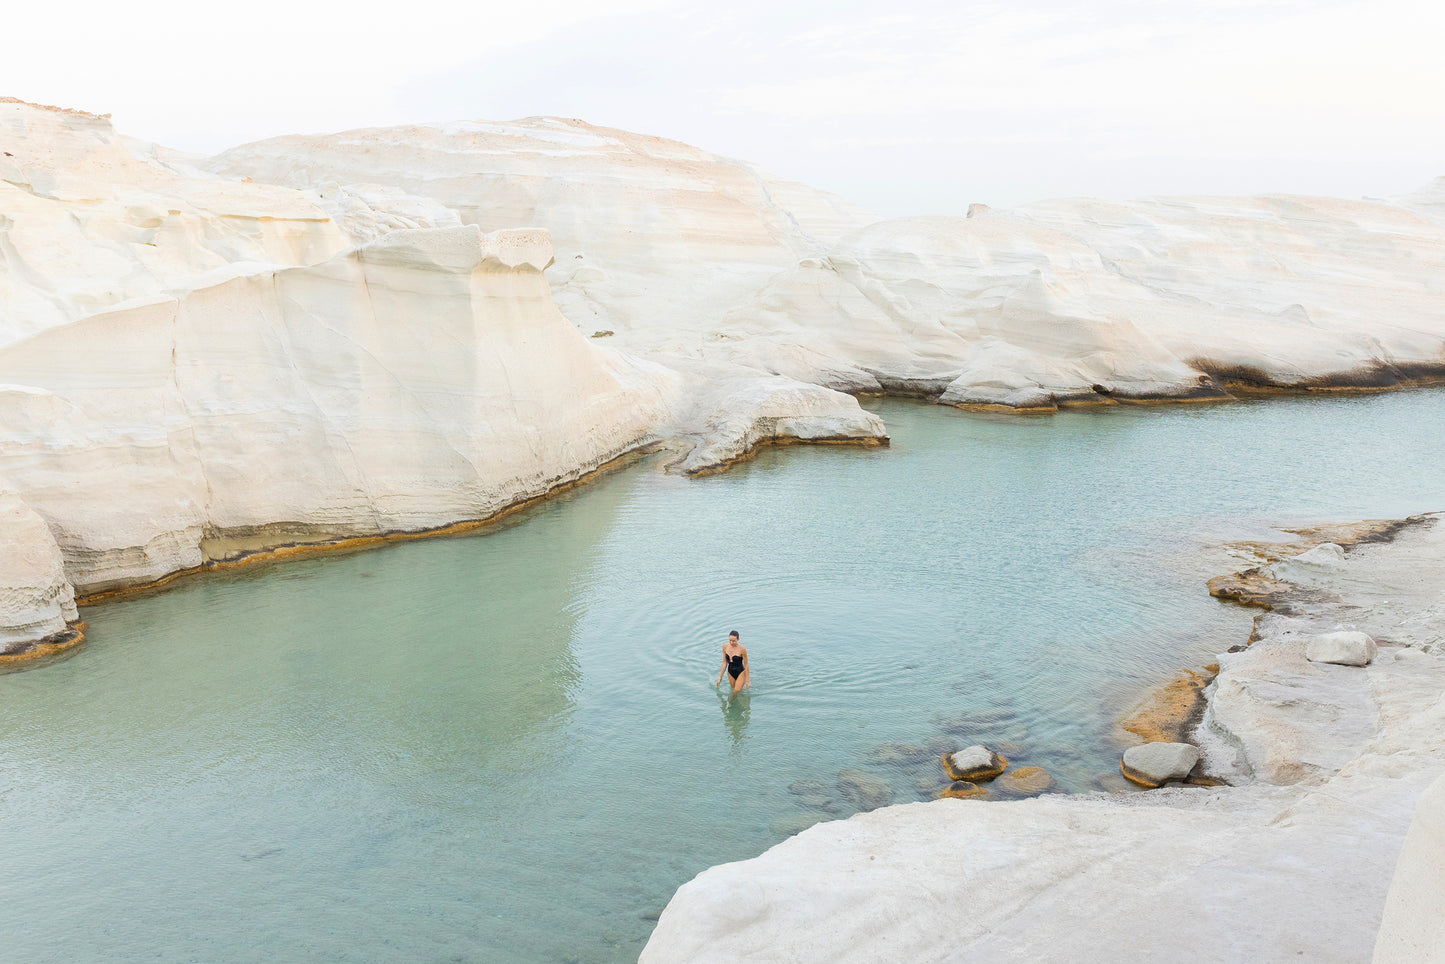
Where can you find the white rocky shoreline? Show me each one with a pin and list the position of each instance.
(312, 343)
(312, 340)
(1330, 765)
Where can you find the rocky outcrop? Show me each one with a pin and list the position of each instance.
(655, 239)
(1084, 302)
(1251, 872)
(413, 382)
(686, 255)
(37, 602)
(729, 414)
(194, 367)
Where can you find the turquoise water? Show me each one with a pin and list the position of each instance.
(508, 747)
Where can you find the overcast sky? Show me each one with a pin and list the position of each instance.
(907, 108)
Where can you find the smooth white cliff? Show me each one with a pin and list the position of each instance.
(422, 379)
(685, 254)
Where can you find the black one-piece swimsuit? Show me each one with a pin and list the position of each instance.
(735, 665)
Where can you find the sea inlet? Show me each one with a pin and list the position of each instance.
(509, 747)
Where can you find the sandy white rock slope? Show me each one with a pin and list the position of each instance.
(685, 253)
(1295, 865)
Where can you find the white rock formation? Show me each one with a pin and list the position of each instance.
(727, 411)
(651, 234)
(1090, 302)
(1345, 648)
(1079, 301)
(1413, 931)
(193, 366)
(419, 380)
(763, 298)
(656, 241)
(1309, 569)
(90, 220)
(1154, 764)
(1266, 871)
(36, 600)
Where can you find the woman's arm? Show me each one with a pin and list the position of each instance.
(721, 672)
(747, 671)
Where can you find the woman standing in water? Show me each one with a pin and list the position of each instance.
(735, 664)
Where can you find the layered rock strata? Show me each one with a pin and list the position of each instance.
(37, 602)
(412, 382)
(1294, 863)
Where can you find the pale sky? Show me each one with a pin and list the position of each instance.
(909, 108)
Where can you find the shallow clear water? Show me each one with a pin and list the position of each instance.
(508, 747)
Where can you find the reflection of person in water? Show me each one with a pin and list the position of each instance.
(736, 709)
(735, 664)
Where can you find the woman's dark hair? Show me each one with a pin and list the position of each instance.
(734, 634)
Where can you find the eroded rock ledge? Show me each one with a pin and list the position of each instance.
(419, 381)
(1293, 863)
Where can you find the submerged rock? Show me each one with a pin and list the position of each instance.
(1153, 764)
(974, 764)
(864, 790)
(962, 790)
(1025, 781)
(1345, 648)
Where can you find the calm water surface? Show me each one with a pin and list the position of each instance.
(508, 747)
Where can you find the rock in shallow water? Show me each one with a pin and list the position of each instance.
(974, 764)
(1025, 781)
(962, 790)
(864, 790)
(1153, 764)
(1344, 648)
